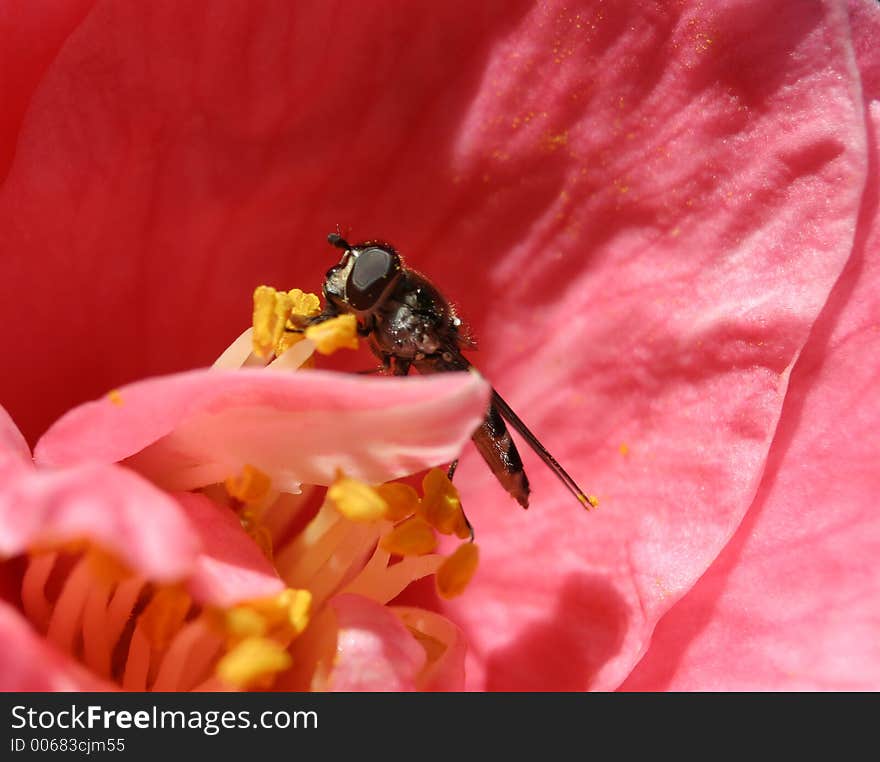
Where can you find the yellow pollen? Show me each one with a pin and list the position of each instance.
(335, 333)
(402, 499)
(243, 622)
(297, 605)
(253, 663)
(624, 449)
(441, 506)
(356, 500)
(273, 310)
(456, 571)
(250, 487)
(283, 616)
(115, 396)
(414, 537)
(593, 501)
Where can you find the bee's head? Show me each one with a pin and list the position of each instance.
(365, 275)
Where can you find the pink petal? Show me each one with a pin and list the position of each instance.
(446, 672)
(198, 428)
(29, 663)
(230, 568)
(15, 455)
(108, 505)
(708, 203)
(793, 602)
(374, 651)
(641, 209)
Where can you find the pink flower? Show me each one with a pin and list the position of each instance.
(197, 601)
(660, 222)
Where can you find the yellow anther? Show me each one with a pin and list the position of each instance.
(115, 396)
(402, 499)
(251, 486)
(440, 506)
(356, 500)
(244, 622)
(593, 501)
(283, 616)
(164, 615)
(273, 311)
(253, 663)
(335, 333)
(303, 304)
(414, 537)
(456, 571)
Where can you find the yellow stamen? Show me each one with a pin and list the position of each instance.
(272, 312)
(593, 501)
(303, 304)
(283, 616)
(336, 333)
(402, 499)
(456, 571)
(250, 487)
(253, 663)
(356, 500)
(441, 506)
(115, 396)
(414, 537)
(244, 622)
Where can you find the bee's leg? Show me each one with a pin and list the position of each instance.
(399, 365)
(385, 367)
(450, 472)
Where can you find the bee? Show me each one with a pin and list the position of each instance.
(409, 323)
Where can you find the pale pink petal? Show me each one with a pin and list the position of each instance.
(108, 505)
(230, 567)
(198, 428)
(705, 204)
(28, 662)
(793, 602)
(446, 671)
(374, 651)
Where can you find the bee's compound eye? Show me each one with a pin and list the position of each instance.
(373, 271)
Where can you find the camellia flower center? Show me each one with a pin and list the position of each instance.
(353, 537)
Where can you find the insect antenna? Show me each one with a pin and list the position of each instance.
(335, 239)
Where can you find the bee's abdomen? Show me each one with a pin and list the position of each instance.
(498, 450)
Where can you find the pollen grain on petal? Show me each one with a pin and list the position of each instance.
(115, 396)
(336, 333)
(456, 571)
(356, 500)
